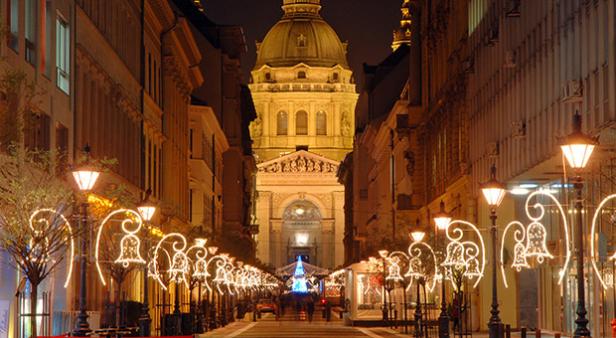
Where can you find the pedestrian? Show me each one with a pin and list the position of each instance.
(310, 309)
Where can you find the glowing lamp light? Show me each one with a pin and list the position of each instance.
(417, 233)
(442, 218)
(577, 146)
(518, 191)
(85, 178)
(300, 211)
(493, 190)
(147, 211)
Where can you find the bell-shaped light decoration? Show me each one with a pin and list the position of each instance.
(577, 146)
(455, 255)
(442, 218)
(179, 267)
(493, 190)
(393, 271)
(472, 268)
(519, 257)
(416, 268)
(130, 251)
(536, 242)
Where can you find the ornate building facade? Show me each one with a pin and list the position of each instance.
(128, 78)
(304, 94)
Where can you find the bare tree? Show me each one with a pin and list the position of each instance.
(33, 229)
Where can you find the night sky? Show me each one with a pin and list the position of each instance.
(366, 24)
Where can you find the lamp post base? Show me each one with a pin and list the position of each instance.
(443, 326)
(82, 328)
(144, 325)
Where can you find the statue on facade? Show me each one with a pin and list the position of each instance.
(345, 124)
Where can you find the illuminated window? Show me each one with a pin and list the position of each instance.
(282, 121)
(301, 123)
(321, 123)
(63, 55)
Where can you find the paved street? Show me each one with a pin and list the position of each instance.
(293, 329)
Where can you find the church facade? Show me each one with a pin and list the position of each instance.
(304, 94)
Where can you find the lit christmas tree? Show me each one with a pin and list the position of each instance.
(299, 278)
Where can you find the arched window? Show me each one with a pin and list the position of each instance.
(301, 74)
(282, 121)
(301, 123)
(321, 123)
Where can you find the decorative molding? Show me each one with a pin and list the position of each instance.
(300, 162)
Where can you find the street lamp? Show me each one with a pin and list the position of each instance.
(494, 192)
(418, 235)
(85, 176)
(442, 220)
(147, 210)
(577, 148)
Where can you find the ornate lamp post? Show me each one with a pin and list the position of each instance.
(442, 220)
(577, 148)
(417, 234)
(494, 192)
(147, 210)
(85, 177)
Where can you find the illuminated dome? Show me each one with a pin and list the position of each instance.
(301, 36)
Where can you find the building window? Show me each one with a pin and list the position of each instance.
(282, 121)
(321, 123)
(301, 40)
(63, 55)
(268, 76)
(301, 123)
(335, 77)
(13, 24)
(31, 20)
(46, 46)
(301, 74)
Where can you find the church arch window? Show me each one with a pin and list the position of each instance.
(321, 123)
(282, 122)
(301, 123)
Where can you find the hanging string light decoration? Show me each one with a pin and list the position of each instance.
(531, 241)
(422, 263)
(39, 223)
(130, 244)
(465, 255)
(606, 280)
(519, 248)
(175, 259)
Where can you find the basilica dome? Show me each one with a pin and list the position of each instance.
(301, 36)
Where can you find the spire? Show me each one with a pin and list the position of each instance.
(402, 35)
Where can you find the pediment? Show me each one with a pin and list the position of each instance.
(299, 162)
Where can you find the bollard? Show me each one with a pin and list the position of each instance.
(508, 331)
(523, 332)
(537, 333)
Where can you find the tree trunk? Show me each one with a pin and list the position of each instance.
(33, 301)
